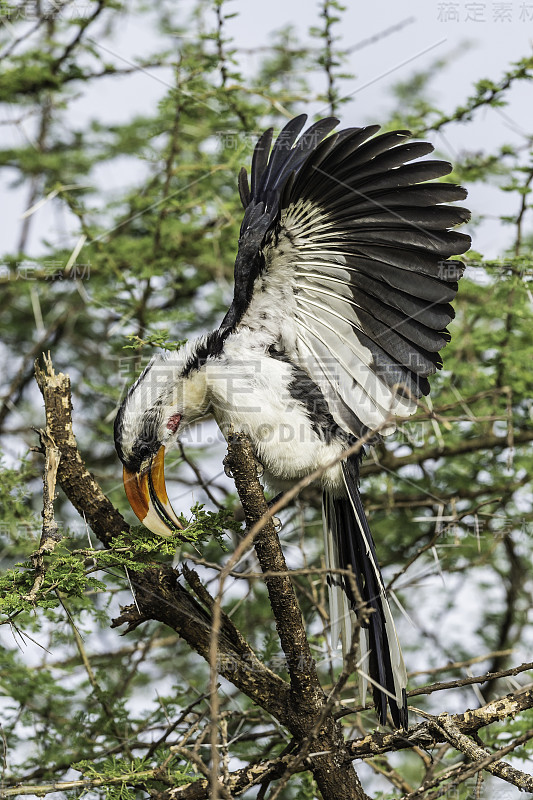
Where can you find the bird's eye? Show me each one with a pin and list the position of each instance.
(173, 422)
(144, 451)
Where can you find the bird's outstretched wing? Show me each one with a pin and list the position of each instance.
(343, 261)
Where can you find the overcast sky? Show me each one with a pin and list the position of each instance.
(483, 38)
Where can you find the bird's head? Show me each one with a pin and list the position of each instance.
(170, 394)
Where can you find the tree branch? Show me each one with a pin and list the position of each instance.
(335, 778)
(301, 706)
(158, 593)
(424, 736)
(74, 478)
(391, 463)
(482, 758)
(50, 535)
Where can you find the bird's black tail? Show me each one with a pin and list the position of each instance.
(349, 545)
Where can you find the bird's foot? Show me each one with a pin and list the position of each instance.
(227, 470)
(278, 525)
(275, 520)
(259, 468)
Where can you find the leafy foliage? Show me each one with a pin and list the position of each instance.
(450, 497)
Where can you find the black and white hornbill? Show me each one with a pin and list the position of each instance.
(341, 302)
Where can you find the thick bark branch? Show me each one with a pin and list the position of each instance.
(50, 535)
(158, 593)
(301, 706)
(481, 757)
(74, 478)
(424, 736)
(160, 596)
(310, 716)
(289, 623)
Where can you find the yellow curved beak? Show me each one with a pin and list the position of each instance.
(147, 494)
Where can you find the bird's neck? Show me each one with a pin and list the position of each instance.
(235, 376)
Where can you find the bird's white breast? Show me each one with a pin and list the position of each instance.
(249, 391)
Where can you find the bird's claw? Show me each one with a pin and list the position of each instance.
(276, 522)
(259, 468)
(227, 471)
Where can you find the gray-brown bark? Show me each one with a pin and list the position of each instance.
(301, 705)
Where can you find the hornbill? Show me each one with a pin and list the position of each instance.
(340, 308)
